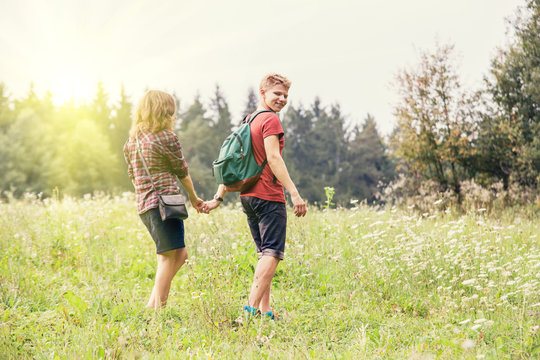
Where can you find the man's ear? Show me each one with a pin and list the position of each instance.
(261, 91)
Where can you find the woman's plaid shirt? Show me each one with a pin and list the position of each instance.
(163, 154)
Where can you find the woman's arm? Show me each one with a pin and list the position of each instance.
(196, 202)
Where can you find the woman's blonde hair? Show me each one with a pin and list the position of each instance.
(155, 112)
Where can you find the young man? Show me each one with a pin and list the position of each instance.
(264, 203)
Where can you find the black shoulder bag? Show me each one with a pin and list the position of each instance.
(170, 206)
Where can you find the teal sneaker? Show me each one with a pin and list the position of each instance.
(252, 310)
(270, 314)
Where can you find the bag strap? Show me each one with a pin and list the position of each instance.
(274, 180)
(144, 162)
(254, 115)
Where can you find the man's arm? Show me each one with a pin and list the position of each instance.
(220, 193)
(278, 167)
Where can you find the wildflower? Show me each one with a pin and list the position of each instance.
(468, 344)
(468, 282)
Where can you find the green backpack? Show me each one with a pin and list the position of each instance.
(236, 166)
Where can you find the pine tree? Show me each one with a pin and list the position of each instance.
(195, 111)
(99, 110)
(200, 147)
(119, 133)
(220, 108)
(368, 163)
(6, 114)
(251, 103)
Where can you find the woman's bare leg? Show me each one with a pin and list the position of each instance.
(168, 264)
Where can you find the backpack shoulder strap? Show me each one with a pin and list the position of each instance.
(254, 115)
(265, 161)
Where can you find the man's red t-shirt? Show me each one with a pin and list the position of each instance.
(262, 126)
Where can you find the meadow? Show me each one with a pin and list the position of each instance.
(360, 283)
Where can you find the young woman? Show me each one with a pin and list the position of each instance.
(152, 125)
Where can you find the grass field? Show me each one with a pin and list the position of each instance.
(356, 284)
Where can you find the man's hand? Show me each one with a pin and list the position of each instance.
(212, 204)
(299, 205)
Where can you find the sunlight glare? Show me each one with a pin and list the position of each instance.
(71, 84)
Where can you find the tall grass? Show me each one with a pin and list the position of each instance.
(362, 283)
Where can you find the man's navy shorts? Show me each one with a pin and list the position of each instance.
(168, 234)
(268, 224)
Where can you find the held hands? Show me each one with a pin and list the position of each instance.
(204, 206)
(199, 205)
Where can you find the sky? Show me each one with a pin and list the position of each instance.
(344, 52)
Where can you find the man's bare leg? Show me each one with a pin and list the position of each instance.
(262, 281)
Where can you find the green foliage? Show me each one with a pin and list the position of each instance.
(435, 122)
(330, 192)
(77, 148)
(83, 161)
(510, 135)
(362, 283)
(319, 152)
(448, 137)
(368, 165)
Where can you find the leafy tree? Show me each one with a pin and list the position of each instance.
(25, 147)
(510, 136)
(435, 121)
(25, 154)
(83, 161)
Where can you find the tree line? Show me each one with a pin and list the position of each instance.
(444, 134)
(77, 148)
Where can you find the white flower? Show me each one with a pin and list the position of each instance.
(468, 282)
(464, 321)
(468, 344)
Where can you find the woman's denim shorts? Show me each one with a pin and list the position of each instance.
(168, 235)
